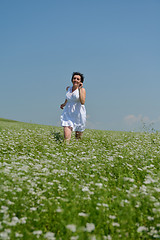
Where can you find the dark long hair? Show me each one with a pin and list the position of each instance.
(78, 73)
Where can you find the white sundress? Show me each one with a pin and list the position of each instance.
(74, 113)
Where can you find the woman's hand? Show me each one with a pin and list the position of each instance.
(63, 104)
(80, 85)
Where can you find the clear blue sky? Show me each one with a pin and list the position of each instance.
(115, 44)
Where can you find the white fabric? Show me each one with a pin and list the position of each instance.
(74, 113)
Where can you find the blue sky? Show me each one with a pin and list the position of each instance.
(115, 44)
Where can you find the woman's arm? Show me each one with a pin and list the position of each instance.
(63, 104)
(82, 95)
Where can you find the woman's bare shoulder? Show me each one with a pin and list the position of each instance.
(83, 89)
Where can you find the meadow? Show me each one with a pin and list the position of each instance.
(105, 186)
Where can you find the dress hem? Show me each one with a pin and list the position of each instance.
(77, 128)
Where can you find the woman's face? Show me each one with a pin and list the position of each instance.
(76, 80)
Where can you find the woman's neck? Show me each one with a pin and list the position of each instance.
(74, 88)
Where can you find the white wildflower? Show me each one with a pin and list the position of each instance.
(92, 175)
(90, 227)
(99, 204)
(59, 210)
(23, 220)
(10, 203)
(33, 209)
(4, 236)
(157, 189)
(138, 205)
(157, 204)
(50, 236)
(18, 235)
(112, 217)
(19, 189)
(3, 209)
(14, 221)
(107, 237)
(123, 202)
(128, 179)
(74, 237)
(141, 229)
(115, 224)
(110, 158)
(143, 189)
(93, 237)
(105, 205)
(156, 236)
(149, 180)
(85, 189)
(105, 179)
(38, 232)
(71, 227)
(83, 214)
(99, 185)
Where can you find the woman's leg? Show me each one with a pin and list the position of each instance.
(67, 133)
(78, 135)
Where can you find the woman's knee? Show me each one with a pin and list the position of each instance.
(67, 132)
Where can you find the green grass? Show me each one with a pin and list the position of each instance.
(105, 186)
(7, 120)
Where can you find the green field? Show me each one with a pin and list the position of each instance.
(105, 186)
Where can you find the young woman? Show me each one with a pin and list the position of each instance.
(73, 117)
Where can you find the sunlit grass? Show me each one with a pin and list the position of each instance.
(105, 186)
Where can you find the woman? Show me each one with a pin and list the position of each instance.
(74, 113)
